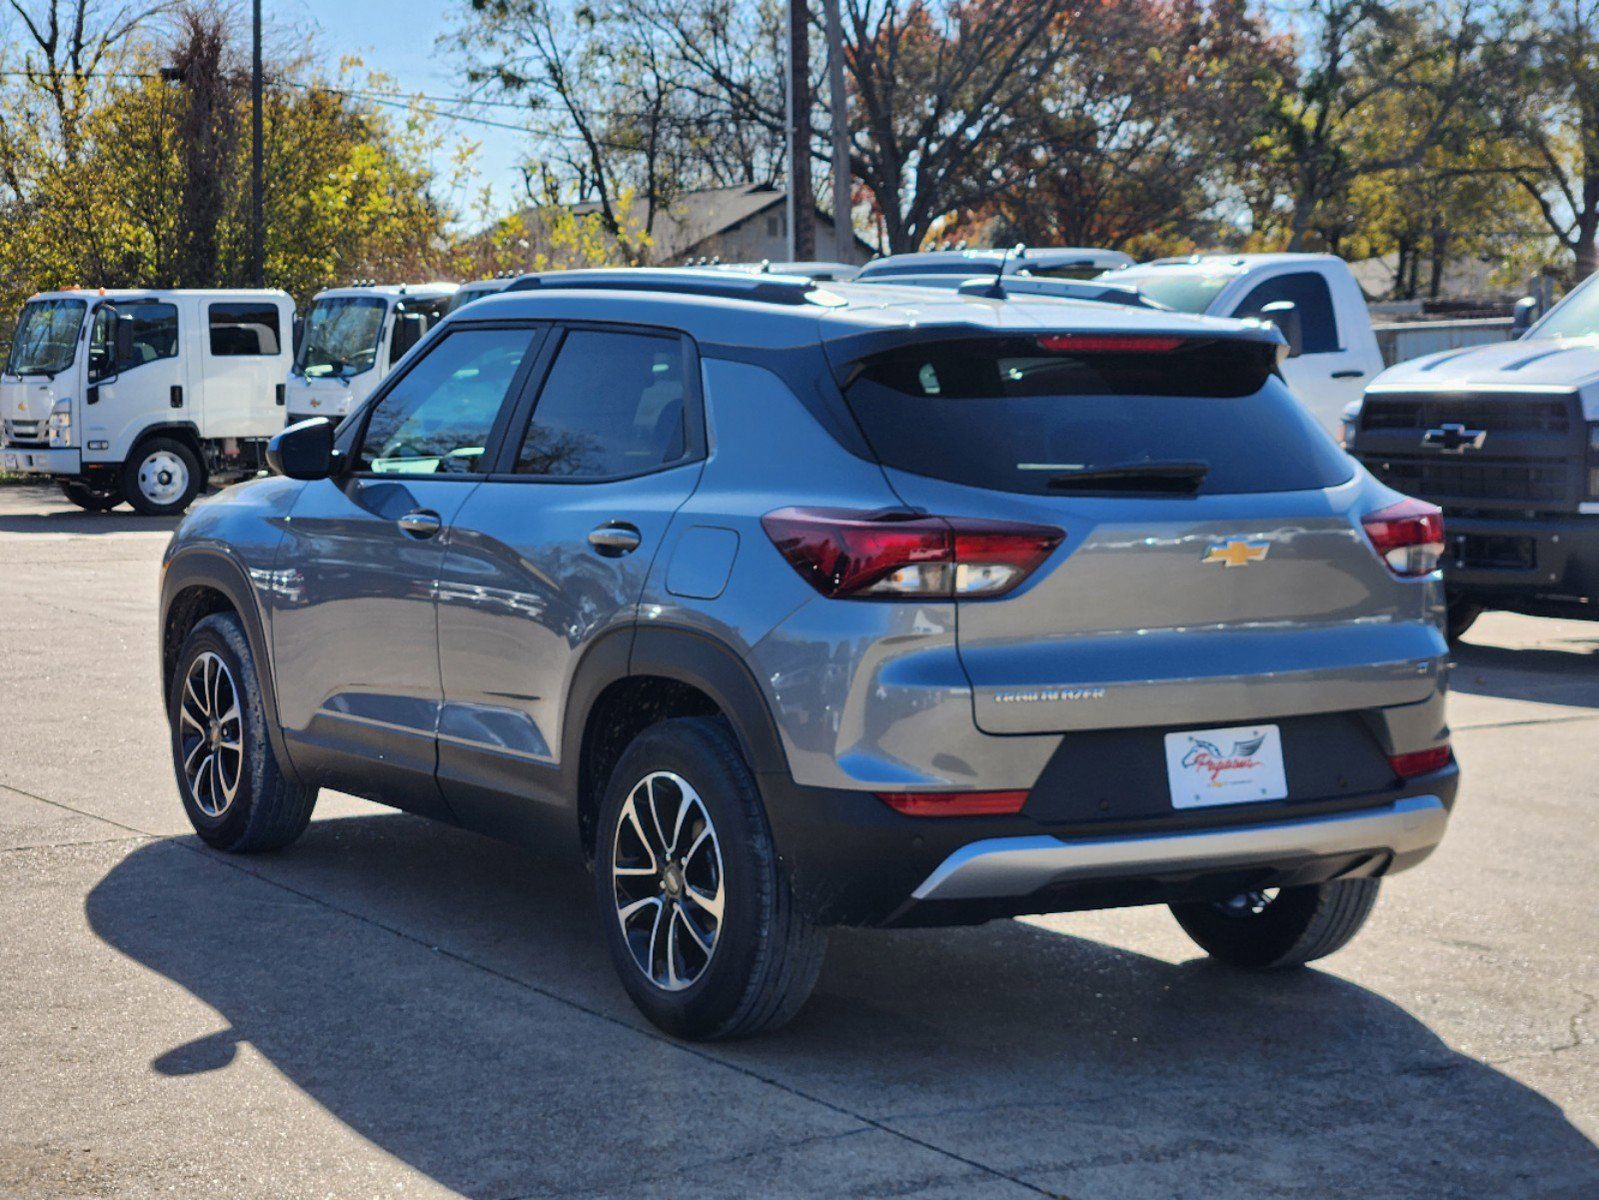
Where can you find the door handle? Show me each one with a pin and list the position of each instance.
(615, 539)
(1347, 374)
(421, 523)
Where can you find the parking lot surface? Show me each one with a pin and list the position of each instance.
(393, 1008)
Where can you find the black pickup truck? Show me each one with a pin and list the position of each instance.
(1506, 439)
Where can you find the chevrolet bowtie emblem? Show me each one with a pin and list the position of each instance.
(1236, 554)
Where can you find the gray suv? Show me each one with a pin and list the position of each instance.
(791, 605)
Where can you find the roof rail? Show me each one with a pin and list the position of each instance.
(731, 285)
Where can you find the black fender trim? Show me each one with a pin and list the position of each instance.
(205, 567)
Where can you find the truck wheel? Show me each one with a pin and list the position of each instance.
(234, 790)
(1462, 616)
(161, 477)
(1279, 927)
(696, 909)
(90, 499)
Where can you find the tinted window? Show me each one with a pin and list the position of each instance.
(1308, 292)
(1005, 414)
(130, 333)
(243, 329)
(612, 405)
(436, 420)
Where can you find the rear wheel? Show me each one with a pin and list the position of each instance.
(1280, 927)
(90, 499)
(162, 476)
(1462, 616)
(234, 790)
(695, 906)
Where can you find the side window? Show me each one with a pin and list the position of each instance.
(243, 329)
(129, 335)
(611, 406)
(436, 420)
(1309, 293)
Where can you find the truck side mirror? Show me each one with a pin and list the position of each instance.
(1523, 316)
(123, 339)
(304, 450)
(1285, 315)
(299, 333)
(408, 331)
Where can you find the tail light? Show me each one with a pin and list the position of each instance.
(954, 804)
(1408, 536)
(1421, 762)
(905, 555)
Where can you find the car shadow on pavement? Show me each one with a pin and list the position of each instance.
(448, 999)
(1541, 673)
(41, 510)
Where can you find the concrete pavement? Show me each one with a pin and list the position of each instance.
(392, 1008)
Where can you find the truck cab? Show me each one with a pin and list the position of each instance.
(144, 395)
(352, 337)
(1312, 298)
(1505, 438)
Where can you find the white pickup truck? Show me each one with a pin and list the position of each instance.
(353, 336)
(143, 395)
(1313, 299)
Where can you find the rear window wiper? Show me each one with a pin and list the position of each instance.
(1177, 478)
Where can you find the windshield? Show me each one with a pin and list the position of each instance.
(1022, 415)
(1185, 291)
(1577, 316)
(47, 337)
(341, 337)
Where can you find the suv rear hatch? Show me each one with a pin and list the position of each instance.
(1214, 568)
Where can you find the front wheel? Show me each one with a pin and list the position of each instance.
(90, 499)
(235, 792)
(695, 906)
(161, 477)
(1279, 927)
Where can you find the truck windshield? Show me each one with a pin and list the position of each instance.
(1185, 291)
(1577, 316)
(47, 337)
(341, 337)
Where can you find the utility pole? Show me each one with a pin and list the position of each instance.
(801, 197)
(843, 225)
(257, 181)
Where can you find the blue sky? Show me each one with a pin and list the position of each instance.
(399, 38)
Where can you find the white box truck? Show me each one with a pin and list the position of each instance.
(146, 396)
(352, 337)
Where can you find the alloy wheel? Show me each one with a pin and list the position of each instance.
(211, 734)
(666, 871)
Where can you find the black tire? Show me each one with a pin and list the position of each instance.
(90, 499)
(151, 478)
(1294, 927)
(266, 809)
(764, 954)
(1462, 616)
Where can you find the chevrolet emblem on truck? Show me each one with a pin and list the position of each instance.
(1454, 438)
(1236, 554)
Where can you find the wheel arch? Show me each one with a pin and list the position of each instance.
(195, 584)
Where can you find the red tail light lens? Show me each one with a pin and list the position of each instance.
(903, 556)
(1099, 343)
(954, 804)
(1408, 536)
(1421, 762)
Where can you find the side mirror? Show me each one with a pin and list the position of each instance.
(408, 331)
(124, 341)
(1285, 315)
(304, 450)
(1523, 316)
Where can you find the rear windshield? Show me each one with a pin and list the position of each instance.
(1007, 414)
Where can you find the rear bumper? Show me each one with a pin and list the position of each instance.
(1539, 564)
(1406, 831)
(41, 462)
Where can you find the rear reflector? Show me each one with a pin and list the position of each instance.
(954, 804)
(1408, 536)
(896, 555)
(1421, 762)
(1100, 343)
